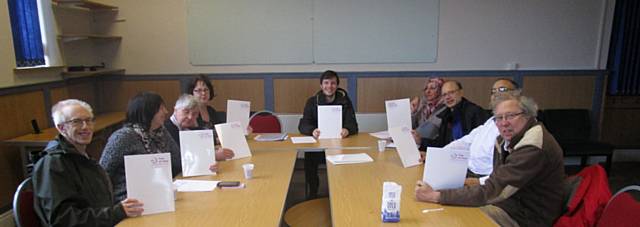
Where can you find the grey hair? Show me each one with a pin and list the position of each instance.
(59, 117)
(186, 101)
(526, 104)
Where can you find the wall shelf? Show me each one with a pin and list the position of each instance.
(76, 37)
(86, 4)
(67, 75)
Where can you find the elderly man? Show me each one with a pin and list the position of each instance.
(458, 118)
(185, 115)
(481, 139)
(525, 187)
(70, 189)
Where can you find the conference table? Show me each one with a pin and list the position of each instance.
(355, 190)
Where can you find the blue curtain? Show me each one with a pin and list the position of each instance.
(624, 52)
(25, 27)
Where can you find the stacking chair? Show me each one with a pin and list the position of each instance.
(572, 129)
(265, 122)
(623, 209)
(23, 210)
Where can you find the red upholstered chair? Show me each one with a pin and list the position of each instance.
(622, 210)
(265, 122)
(23, 210)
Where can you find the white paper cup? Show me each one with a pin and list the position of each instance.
(248, 170)
(382, 144)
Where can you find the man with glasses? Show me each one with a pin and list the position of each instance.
(525, 187)
(480, 140)
(458, 119)
(71, 189)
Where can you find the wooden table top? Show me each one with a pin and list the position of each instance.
(102, 121)
(356, 192)
(261, 203)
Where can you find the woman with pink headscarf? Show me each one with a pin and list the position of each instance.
(429, 101)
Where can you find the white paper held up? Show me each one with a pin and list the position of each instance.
(197, 151)
(398, 113)
(406, 146)
(148, 178)
(232, 137)
(239, 111)
(445, 168)
(330, 121)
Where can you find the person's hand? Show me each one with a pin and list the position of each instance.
(249, 129)
(416, 136)
(344, 133)
(214, 168)
(224, 154)
(471, 181)
(423, 155)
(132, 207)
(425, 193)
(316, 133)
(415, 102)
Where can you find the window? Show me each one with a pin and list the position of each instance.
(27, 38)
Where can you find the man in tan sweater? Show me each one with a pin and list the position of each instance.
(525, 188)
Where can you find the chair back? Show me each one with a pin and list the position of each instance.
(622, 210)
(265, 122)
(23, 211)
(568, 125)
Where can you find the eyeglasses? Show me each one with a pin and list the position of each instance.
(500, 89)
(450, 93)
(81, 122)
(201, 90)
(506, 117)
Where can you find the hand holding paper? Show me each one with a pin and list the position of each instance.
(330, 121)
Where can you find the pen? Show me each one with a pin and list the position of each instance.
(432, 210)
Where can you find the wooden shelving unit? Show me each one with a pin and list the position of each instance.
(87, 4)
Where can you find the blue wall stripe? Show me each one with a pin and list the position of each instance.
(352, 89)
(596, 104)
(46, 94)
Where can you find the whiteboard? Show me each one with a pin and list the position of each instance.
(241, 32)
(231, 32)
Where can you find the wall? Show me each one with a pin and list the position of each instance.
(473, 35)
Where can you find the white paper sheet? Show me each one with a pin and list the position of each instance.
(198, 152)
(239, 111)
(349, 158)
(330, 121)
(263, 137)
(381, 135)
(398, 113)
(445, 168)
(303, 139)
(195, 185)
(232, 137)
(148, 179)
(406, 146)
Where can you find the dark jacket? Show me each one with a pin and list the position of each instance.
(526, 182)
(173, 130)
(309, 121)
(72, 190)
(213, 119)
(471, 115)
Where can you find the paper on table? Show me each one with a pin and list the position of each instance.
(330, 121)
(231, 137)
(445, 168)
(270, 137)
(195, 185)
(197, 151)
(391, 145)
(406, 146)
(349, 158)
(398, 113)
(381, 135)
(239, 111)
(303, 139)
(148, 179)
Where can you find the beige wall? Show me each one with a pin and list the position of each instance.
(8, 77)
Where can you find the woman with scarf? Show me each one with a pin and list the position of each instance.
(143, 133)
(423, 107)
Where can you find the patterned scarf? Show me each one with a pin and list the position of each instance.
(426, 107)
(155, 137)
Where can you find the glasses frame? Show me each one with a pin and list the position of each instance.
(506, 117)
(81, 122)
